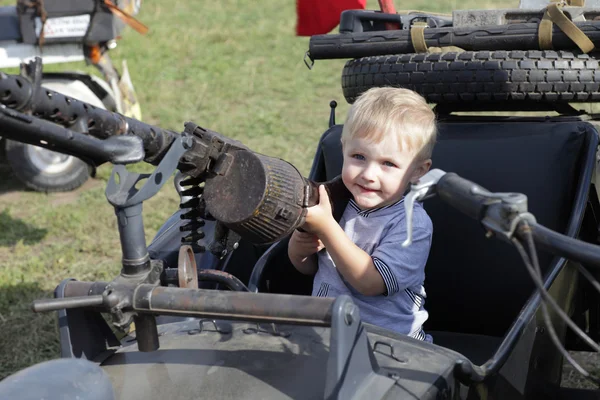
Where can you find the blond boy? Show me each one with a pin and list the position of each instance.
(387, 143)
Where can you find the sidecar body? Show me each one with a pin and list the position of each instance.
(488, 336)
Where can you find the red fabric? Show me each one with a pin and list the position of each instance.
(316, 17)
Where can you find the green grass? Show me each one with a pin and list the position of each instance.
(235, 67)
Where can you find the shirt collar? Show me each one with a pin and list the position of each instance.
(377, 211)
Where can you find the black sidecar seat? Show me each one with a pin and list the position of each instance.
(476, 287)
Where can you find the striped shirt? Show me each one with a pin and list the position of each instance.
(380, 233)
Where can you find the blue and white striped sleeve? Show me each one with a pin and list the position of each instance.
(402, 267)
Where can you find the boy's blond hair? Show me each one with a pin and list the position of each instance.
(386, 112)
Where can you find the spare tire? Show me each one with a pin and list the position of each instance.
(475, 76)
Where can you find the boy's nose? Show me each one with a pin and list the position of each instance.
(369, 174)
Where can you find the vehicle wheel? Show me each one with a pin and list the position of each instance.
(479, 76)
(44, 170)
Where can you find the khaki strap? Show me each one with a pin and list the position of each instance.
(555, 15)
(417, 37)
(569, 28)
(545, 33)
(445, 49)
(576, 3)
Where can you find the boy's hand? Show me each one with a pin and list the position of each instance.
(305, 244)
(320, 216)
(301, 247)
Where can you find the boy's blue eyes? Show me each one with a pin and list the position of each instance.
(362, 158)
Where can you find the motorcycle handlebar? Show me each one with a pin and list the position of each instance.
(480, 204)
(586, 253)
(460, 194)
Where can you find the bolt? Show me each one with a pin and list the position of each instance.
(236, 245)
(349, 316)
(541, 330)
(187, 142)
(393, 375)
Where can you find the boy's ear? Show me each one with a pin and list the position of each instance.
(421, 169)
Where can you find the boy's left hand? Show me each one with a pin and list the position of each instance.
(320, 215)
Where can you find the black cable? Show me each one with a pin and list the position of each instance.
(537, 280)
(588, 276)
(535, 272)
(547, 321)
(534, 260)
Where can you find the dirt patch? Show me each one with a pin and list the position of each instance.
(70, 197)
(589, 361)
(14, 195)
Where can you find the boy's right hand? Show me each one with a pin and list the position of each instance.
(301, 247)
(304, 244)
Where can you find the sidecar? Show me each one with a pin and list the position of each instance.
(488, 336)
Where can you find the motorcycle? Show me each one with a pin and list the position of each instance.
(212, 307)
(62, 32)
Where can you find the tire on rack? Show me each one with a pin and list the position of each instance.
(475, 76)
(46, 171)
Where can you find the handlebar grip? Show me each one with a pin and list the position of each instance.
(461, 194)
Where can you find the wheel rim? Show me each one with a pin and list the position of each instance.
(49, 162)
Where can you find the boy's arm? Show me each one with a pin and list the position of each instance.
(355, 265)
(301, 250)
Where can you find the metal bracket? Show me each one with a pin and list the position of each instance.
(83, 333)
(352, 367)
(274, 331)
(308, 60)
(222, 327)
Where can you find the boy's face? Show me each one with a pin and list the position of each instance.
(377, 174)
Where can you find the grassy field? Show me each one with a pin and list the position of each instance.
(232, 66)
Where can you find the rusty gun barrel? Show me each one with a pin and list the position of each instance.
(159, 300)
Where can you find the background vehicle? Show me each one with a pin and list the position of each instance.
(72, 31)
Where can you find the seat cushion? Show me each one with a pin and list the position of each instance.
(480, 281)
